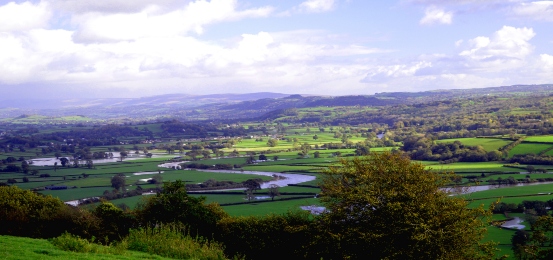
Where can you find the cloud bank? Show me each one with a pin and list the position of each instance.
(145, 47)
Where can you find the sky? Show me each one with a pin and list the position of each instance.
(122, 48)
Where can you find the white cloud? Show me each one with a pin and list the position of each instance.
(450, 2)
(122, 46)
(547, 61)
(503, 58)
(254, 61)
(317, 6)
(539, 10)
(149, 23)
(458, 43)
(435, 15)
(24, 16)
(25, 57)
(506, 43)
(383, 73)
(460, 7)
(112, 6)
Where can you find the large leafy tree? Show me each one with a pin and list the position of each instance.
(118, 181)
(172, 204)
(386, 207)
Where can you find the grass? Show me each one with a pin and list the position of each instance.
(528, 148)
(513, 191)
(28, 248)
(489, 144)
(469, 167)
(503, 237)
(131, 202)
(266, 208)
(192, 176)
(75, 194)
(515, 200)
(541, 139)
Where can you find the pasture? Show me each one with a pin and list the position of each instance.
(529, 148)
(540, 139)
(489, 144)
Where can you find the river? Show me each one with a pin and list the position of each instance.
(116, 158)
(471, 189)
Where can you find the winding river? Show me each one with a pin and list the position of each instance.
(471, 189)
(116, 158)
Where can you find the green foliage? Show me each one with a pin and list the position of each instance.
(118, 181)
(386, 207)
(24, 213)
(114, 222)
(273, 236)
(272, 142)
(273, 191)
(172, 241)
(518, 241)
(538, 244)
(423, 148)
(68, 242)
(173, 204)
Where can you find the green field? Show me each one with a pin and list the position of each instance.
(541, 139)
(489, 144)
(469, 167)
(266, 208)
(513, 191)
(528, 148)
(503, 237)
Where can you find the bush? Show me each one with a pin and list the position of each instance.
(277, 236)
(172, 241)
(68, 242)
(173, 204)
(25, 213)
(114, 221)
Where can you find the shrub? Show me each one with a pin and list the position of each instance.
(114, 221)
(277, 236)
(172, 241)
(25, 213)
(68, 242)
(173, 204)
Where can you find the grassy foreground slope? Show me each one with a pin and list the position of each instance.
(28, 248)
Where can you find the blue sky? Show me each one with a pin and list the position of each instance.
(121, 48)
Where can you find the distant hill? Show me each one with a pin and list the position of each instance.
(464, 93)
(352, 101)
(237, 106)
(160, 100)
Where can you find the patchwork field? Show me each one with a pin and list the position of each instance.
(489, 144)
